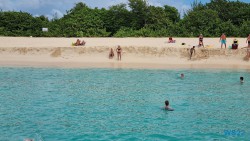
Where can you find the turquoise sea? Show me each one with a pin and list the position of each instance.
(47, 104)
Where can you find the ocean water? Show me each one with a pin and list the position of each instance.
(123, 104)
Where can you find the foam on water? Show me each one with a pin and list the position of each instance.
(122, 104)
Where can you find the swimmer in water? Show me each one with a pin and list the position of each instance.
(241, 79)
(167, 106)
(28, 140)
(182, 76)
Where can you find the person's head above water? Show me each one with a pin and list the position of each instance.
(167, 106)
(241, 79)
(167, 103)
(182, 75)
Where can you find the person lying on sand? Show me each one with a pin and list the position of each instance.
(170, 40)
(192, 51)
(79, 43)
(111, 54)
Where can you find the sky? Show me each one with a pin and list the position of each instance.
(50, 7)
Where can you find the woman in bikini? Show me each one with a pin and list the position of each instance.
(201, 40)
(119, 52)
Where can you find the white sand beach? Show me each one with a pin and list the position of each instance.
(137, 53)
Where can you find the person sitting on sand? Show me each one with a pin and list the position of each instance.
(79, 43)
(167, 106)
(170, 40)
(248, 40)
(235, 44)
(111, 54)
(119, 52)
(223, 40)
(201, 40)
(192, 51)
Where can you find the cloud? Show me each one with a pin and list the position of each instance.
(57, 13)
(50, 7)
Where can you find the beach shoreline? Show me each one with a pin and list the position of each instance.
(138, 53)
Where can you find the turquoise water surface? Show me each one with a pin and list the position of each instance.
(123, 104)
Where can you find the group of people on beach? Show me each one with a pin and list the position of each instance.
(223, 42)
(171, 40)
(118, 51)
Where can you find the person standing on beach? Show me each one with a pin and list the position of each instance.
(201, 40)
(248, 41)
(119, 53)
(192, 51)
(223, 40)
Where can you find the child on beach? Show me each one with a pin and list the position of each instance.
(223, 40)
(167, 106)
(192, 51)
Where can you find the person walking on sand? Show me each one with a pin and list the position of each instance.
(248, 41)
(192, 51)
(201, 40)
(119, 53)
(223, 40)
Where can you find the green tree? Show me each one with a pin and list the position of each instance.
(172, 13)
(116, 17)
(157, 18)
(202, 21)
(139, 9)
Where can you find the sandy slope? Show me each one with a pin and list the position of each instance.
(137, 53)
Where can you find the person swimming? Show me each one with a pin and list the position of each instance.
(182, 75)
(167, 106)
(241, 79)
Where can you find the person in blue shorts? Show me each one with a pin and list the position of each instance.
(223, 40)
